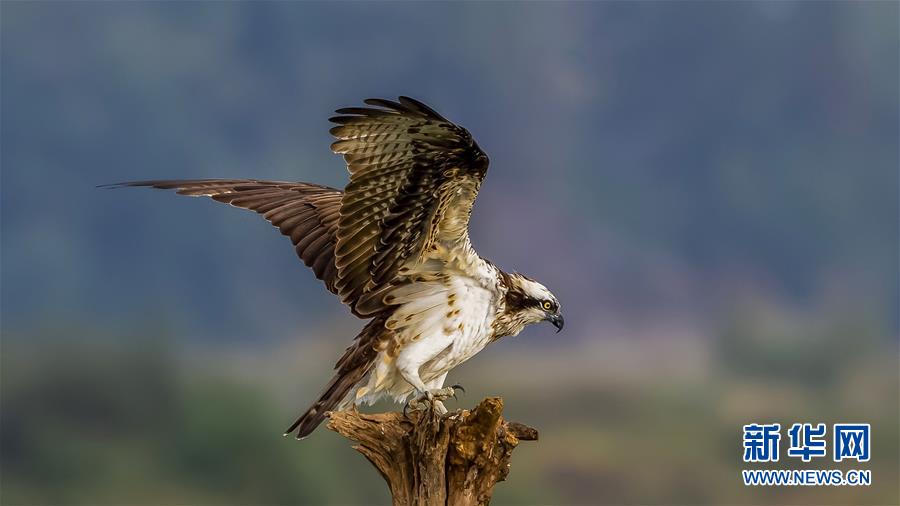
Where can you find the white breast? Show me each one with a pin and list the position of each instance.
(443, 322)
(469, 330)
(440, 322)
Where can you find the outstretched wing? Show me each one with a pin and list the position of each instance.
(307, 213)
(414, 176)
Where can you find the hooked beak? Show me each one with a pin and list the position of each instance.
(557, 321)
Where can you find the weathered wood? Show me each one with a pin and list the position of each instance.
(427, 459)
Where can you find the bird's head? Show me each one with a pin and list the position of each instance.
(527, 302)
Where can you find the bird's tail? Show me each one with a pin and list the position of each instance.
(337, 389)
(352, 369)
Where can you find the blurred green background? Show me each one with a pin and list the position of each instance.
(711, 189)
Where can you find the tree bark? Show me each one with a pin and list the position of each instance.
(426, 459)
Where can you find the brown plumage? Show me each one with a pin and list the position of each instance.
(307, 213)
(404, 160)
(394, 247)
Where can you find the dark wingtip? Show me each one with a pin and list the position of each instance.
(128, 184)
(421, 107)
(403, 105)
(387, 104)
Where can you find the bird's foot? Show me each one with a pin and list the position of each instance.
(432, 399)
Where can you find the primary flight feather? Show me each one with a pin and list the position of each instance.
(394, 246)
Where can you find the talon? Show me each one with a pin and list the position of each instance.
(417, 401)
(430, 400)
(410, 402)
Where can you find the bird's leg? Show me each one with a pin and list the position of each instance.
(419, 400)
(420, 392)
(434, 386)
(425, 395)
(432, 398)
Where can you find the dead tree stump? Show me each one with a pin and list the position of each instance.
(425, 459)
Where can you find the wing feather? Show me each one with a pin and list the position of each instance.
(307, 213)
(414, 177)
(411, 171)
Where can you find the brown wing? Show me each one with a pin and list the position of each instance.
(305, 212)
(414, 176)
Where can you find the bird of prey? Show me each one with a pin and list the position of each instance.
(394, 246)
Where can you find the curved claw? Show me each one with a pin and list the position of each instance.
(455, 388)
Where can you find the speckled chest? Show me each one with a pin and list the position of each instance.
(470, 331)
(444, 320)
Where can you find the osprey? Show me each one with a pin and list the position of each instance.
(394, 246)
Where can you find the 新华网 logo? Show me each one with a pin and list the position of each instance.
(807, 441)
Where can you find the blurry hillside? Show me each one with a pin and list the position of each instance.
(710, 190)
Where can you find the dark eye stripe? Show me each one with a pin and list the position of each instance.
(539, 303)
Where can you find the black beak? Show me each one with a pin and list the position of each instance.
(557, 321)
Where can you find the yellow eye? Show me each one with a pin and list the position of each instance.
(547, 305)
